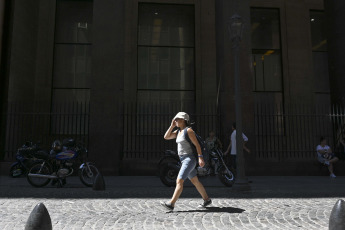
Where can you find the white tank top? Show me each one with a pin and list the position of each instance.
(183, 146)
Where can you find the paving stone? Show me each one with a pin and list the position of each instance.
(138, 207)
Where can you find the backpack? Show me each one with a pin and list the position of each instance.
(202, 143)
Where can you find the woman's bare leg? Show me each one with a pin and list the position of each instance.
(335, 159)
(199, 187)
(330, 167)
(331, 162)
(178, 191)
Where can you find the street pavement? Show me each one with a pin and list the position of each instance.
(133, 203)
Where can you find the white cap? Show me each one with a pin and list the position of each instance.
(183, 116)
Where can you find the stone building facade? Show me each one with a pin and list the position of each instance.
(107, 53)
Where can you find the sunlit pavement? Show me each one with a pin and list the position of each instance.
(133, 203)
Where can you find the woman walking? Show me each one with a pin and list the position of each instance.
(188, 160)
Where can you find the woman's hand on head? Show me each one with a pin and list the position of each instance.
(173, 124)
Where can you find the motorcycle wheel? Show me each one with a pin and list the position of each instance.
(168, 174)
(227, 178)
(86, 177)
(16, 171)
(39, 169)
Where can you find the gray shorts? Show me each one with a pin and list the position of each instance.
(188, 167)
(322, 159)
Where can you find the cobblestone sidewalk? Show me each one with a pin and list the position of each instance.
(133, 203)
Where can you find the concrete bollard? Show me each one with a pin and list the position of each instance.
(99, 183)
(39, 219)
(337, 217)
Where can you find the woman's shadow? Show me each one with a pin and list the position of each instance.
(217, 209)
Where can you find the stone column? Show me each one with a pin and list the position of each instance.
(298, 86)
(22, 60)
(44, 55)
(335, 13)
(2, 79)
(2, 14)
(225, 68)
(107, 85)
(225, 62)
(30, 51)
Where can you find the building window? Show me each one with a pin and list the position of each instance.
(72, 64)
(72, 51)
(266, 50)
(319, 51)
(166, 53)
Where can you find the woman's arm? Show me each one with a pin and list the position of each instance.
(245, 138)
(228, 150)
(329, 150)
(320, 150)
(195, 142)
(169, 134)
(245, 147)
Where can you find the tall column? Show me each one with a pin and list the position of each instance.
(225, 68)
(335, 13)
(107, 85)
(44, 55)
(23, 44)
(3, 33)
(5, 12)
(2, 79)
(298, 87)
(30, 50)
(20, 68)
(2, 16)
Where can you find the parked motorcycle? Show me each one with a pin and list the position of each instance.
(24, 159)
(170, 165)
(61, 165)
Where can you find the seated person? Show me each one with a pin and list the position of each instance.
(213, 142)
(325, 155)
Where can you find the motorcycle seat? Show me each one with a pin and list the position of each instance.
(42, 155)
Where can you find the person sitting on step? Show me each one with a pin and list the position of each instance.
(325, 155)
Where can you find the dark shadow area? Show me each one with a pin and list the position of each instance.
(79, 192)
(151, 188)
(216, 209)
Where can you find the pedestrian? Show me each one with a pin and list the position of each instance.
(232, 145)
(188, 159)
(325, 156)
